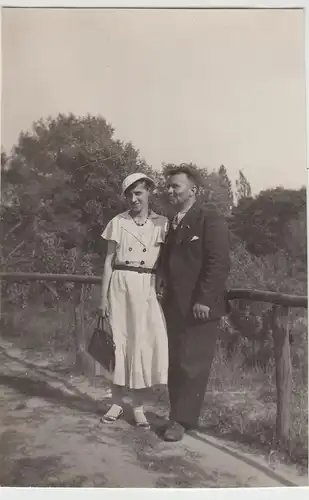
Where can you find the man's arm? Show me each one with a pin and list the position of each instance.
(160, 275)
(216, 260)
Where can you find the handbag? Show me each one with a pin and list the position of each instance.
(101, 346)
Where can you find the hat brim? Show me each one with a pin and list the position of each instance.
(137, 181)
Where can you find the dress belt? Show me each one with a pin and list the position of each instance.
(141, 270)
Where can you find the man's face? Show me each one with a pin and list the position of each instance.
(180, 189)
(137, 197)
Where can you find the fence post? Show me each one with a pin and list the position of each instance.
(283, 375)
(83, 361)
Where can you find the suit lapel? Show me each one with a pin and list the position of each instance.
(186, 223)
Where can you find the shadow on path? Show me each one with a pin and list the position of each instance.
(41, 389)
(49, 372)
(34, 386)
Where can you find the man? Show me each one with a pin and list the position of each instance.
(196, 264)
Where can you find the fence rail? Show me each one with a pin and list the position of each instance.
(280, 299)
(279, 326)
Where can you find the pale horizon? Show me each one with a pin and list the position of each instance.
(208, 86)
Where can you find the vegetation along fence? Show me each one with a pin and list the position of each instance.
(279, 327)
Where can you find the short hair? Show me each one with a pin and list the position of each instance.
(188, 170)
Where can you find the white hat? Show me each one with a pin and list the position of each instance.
(132, 178)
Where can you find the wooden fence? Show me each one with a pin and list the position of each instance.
(279, 326)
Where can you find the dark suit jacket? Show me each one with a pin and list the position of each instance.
(196, 261)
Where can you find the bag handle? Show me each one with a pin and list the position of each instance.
(101, 320)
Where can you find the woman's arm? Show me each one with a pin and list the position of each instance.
(106, 278)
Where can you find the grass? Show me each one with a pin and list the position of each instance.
(240, 404)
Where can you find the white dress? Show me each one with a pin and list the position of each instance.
(136, 317)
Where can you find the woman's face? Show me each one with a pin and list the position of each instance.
(137, 197)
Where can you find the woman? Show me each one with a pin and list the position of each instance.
(129, 298)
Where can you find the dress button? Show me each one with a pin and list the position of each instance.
(142, 262)
(127, 262)
(130, 249)
(144, 249)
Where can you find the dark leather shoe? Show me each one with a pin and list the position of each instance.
(174, 432)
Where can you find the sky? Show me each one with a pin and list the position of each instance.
(208, 86)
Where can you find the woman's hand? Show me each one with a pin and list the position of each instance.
(160, 297)
(160, 288)
(104, 309)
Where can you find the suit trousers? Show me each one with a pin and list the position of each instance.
(192, 346)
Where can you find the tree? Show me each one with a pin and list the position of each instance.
(4, 157)
(226, 184)
(295, 237)
(62, 187)
(213, 190)
(262, 222)
(243, 187)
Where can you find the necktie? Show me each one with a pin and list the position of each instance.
(175, 221)
(178, 217)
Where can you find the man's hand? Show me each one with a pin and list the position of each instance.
(200, 311)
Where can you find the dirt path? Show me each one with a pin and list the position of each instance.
(51, 435)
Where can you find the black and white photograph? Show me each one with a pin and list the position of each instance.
(153, 320)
